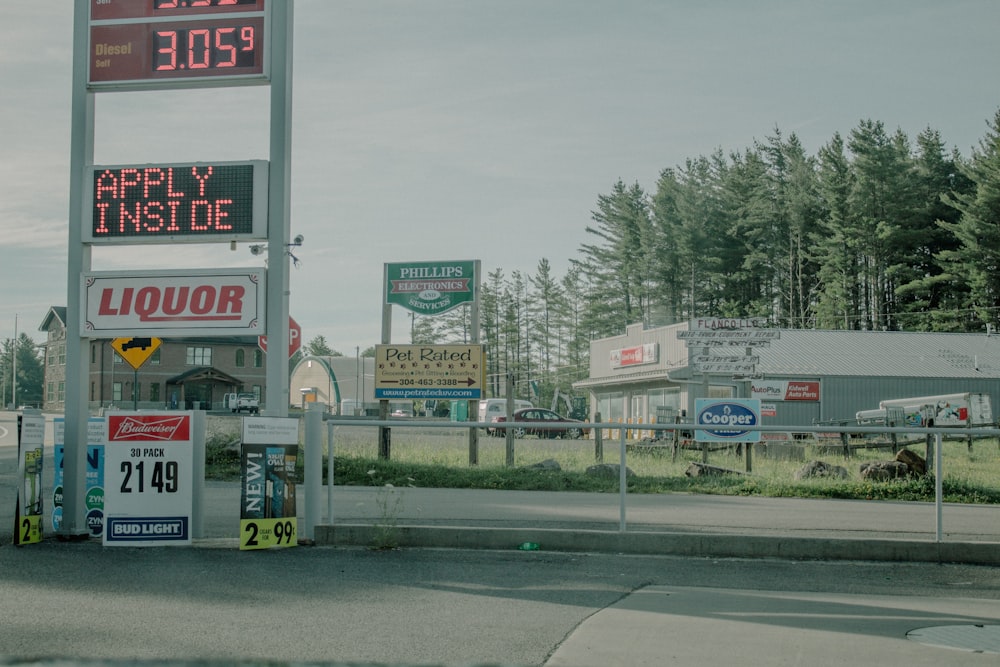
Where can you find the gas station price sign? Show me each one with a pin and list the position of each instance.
(177, 43)
(175, 203)
(104, 10)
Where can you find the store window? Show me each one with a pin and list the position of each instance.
(199, 356)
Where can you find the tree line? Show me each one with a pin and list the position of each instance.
(874, 232)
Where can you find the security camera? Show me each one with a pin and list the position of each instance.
(299, 239)
(256, 249)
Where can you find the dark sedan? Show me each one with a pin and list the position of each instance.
(565, 428)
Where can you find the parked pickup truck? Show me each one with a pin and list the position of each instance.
(243, 402)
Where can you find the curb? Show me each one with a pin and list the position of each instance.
(662, 544)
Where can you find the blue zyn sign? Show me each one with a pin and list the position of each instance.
(728, 415)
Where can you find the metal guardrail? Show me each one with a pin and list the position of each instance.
(315, 419)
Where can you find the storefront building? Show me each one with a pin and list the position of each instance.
(802, 376)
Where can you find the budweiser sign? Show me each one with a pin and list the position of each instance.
(174, 303)
(149, 427)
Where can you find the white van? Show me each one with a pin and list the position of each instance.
(497, 407)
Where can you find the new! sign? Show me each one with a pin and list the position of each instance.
(174, 303)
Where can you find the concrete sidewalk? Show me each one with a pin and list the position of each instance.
(671, 625)
(674, 524)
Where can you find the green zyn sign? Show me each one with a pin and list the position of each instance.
(430, 288)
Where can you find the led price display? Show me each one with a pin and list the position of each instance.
(103, 10)
(197, 202)
(153, 53)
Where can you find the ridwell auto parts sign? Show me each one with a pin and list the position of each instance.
(174, 303)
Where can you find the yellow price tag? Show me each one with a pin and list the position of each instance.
(29, 529)
(267, 533)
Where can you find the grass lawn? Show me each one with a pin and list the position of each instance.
(439, 458)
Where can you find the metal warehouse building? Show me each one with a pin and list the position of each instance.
(343, 384)
(803, 377)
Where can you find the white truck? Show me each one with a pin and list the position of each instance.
(967, 409)
(242, 402)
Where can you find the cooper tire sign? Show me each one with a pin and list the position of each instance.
(729, 417)
(174, 303)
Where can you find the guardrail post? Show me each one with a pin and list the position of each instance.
(938, 487)
(598, 439)
(329, 474)
(622, 485)
(313, 460)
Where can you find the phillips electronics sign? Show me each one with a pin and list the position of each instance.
(194, 302)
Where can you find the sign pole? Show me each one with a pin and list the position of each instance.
(384, 433)
(474, 405)
(279, 210)
(74, 525)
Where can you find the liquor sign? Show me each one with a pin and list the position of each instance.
(429, 371)
(149, 494)
(638, 355)
(267, 475)
(785, 390)
(430, 288)
(729, 416)
(196, 302)
(94, 489)
(151, 44)
(30, 448)
(193, 202)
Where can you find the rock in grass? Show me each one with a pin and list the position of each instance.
(608, 471)
(820, 469)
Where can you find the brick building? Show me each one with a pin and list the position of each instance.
(182, 372)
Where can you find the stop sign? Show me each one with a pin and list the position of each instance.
(294, 338)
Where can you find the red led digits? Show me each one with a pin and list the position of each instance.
(203, 48)
(184, 4)
(167, 200)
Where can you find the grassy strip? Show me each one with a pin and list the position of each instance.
(222, 463)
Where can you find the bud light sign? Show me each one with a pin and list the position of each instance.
(729, 416)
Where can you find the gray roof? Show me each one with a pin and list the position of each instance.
(881, 353)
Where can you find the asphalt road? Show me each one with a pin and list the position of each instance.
(81, 603)
(448, 607)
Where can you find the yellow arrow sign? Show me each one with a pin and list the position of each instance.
(136, 351)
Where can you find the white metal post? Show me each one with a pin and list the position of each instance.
(313, 459)
(74, 523)
(622, 490)
(279, 210)
(938, 487)
(329, 474)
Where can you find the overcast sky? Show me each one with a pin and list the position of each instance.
(474, 129)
